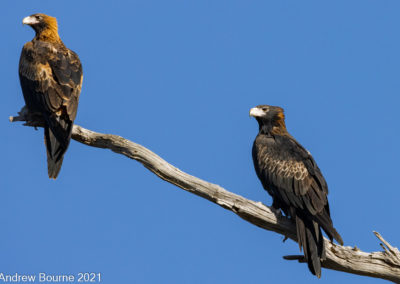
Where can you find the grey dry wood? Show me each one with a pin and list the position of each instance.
(384, 265)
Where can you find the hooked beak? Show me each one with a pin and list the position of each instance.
(30, 21)
(256, 112)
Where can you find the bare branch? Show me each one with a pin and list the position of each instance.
(384, 265)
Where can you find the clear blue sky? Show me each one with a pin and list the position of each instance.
(179, 77)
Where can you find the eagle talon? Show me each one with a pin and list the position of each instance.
(276, 211)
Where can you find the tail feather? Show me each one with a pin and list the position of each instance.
(310, 238)
(57, 133)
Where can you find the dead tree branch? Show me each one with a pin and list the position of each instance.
(384, 264)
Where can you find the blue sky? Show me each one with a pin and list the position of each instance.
(179, 77)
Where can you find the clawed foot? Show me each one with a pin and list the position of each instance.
(31, 119)
(276, 211)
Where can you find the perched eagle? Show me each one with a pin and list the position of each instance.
(51, 78)
(291, 176)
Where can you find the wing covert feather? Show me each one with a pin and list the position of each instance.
(290, 173)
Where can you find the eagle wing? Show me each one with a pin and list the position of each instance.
(67, 73)
(290, 174)
(51, 79)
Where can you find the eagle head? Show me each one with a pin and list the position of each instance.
(267, 113)
(269, 117)
(42, 24)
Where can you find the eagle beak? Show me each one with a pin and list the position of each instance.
(30, 21)
(256, 112)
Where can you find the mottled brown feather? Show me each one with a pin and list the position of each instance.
(290, 175)
(51, 81)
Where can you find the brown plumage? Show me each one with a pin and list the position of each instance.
(291, 176)
(51, 79)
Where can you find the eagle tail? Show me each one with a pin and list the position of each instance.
(57, 133)
(310, 238)
(326, 223)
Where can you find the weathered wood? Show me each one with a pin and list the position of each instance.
(384, 265)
